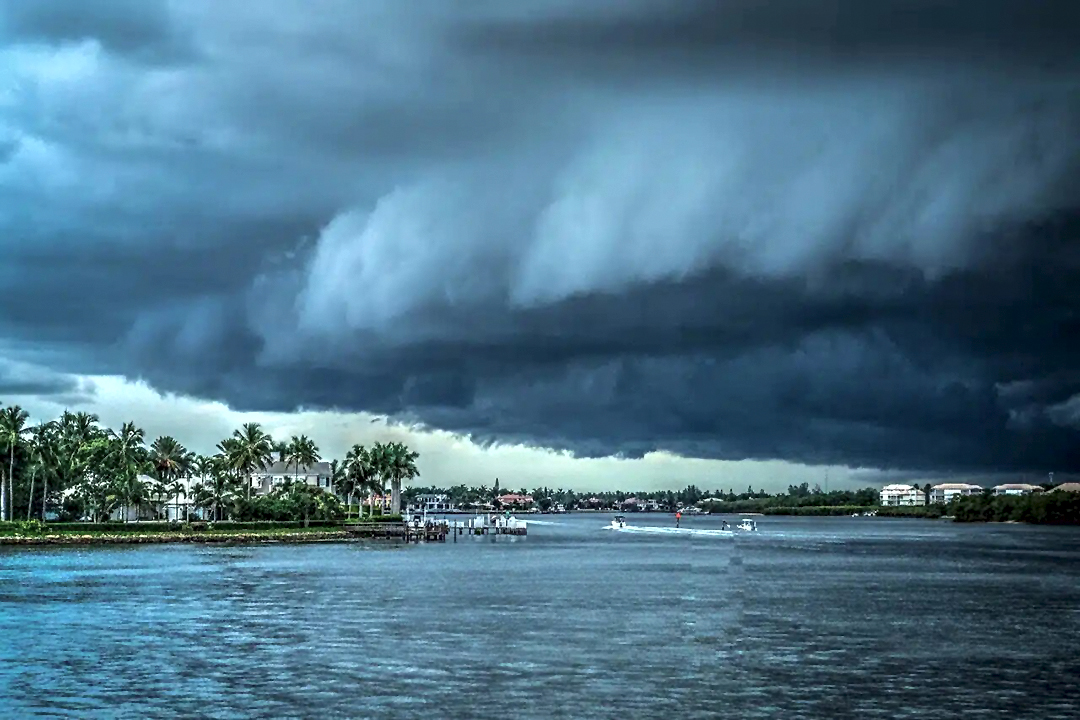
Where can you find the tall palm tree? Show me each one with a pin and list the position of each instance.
(400, 465)
(221, 485)
(175, 490)
(77, 432)
(47, 452)
(42, 462)
(302, 450)
(203, 466)
(12, 427)
(252, 450)
(379, 459)
(168, 457)
(362, 473)
(342, 484)
(129, 458)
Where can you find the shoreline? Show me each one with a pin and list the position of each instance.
(163, 538)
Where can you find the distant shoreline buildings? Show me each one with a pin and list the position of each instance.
(901, 495)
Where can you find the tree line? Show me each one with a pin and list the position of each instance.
(1054, 508)
(750, 501)
(76, 468)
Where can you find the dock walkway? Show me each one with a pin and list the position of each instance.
(418, 529)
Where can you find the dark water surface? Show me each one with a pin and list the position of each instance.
(810, 617)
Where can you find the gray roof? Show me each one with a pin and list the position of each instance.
(280, 468)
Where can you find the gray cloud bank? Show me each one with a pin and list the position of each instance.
(835, 232)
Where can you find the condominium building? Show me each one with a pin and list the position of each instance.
(895, 495)
(945, 493)
(1016, 489)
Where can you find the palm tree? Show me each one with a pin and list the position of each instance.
(203, 466)
(129, 458)
(301, 451)
(77, 431)
(379, 459)
(47, 453)
(252, 450)
(400, 465)
(42, 461)
(342, 484)
(362, 473)
(169, 458)
(221, 486)
(12, 427)
(175, 490)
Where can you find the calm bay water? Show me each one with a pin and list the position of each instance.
(809, 617)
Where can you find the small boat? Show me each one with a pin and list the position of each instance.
(618, 522)
(747, 524)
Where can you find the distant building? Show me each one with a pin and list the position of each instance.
(280, 473)
(947, 492)
(433, 503)
(897, 495)
(1067, 487)
(1016, 489)
(515, 500)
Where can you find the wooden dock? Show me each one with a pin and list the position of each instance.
(436, 531)
(376, 530)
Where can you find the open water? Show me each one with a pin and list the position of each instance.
(809, 617)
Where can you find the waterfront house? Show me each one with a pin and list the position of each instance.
(279, 473)
(902, 495)
(432, 503)
(945, 493)
(1016, 489)
(514, 500)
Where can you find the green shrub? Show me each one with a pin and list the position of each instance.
(916, 511)
(22, 527)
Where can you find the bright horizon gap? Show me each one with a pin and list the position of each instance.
(448, 459)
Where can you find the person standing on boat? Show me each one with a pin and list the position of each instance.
(678, 517)
(724, 525)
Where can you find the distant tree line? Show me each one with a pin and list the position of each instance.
(715, 500)
(1051, 508)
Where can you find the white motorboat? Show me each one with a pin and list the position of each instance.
(618, 522)
(746, 524)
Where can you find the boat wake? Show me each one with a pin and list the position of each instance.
(697, 532)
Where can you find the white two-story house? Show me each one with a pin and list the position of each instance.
(897, 495)
(945, 493)
(317, 475)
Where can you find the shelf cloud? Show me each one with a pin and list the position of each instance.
(838, 233)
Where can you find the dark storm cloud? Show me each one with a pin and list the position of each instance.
(139, 28)
(822, 232)
(1037, 31)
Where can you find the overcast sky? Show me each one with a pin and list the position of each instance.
(628, 243)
